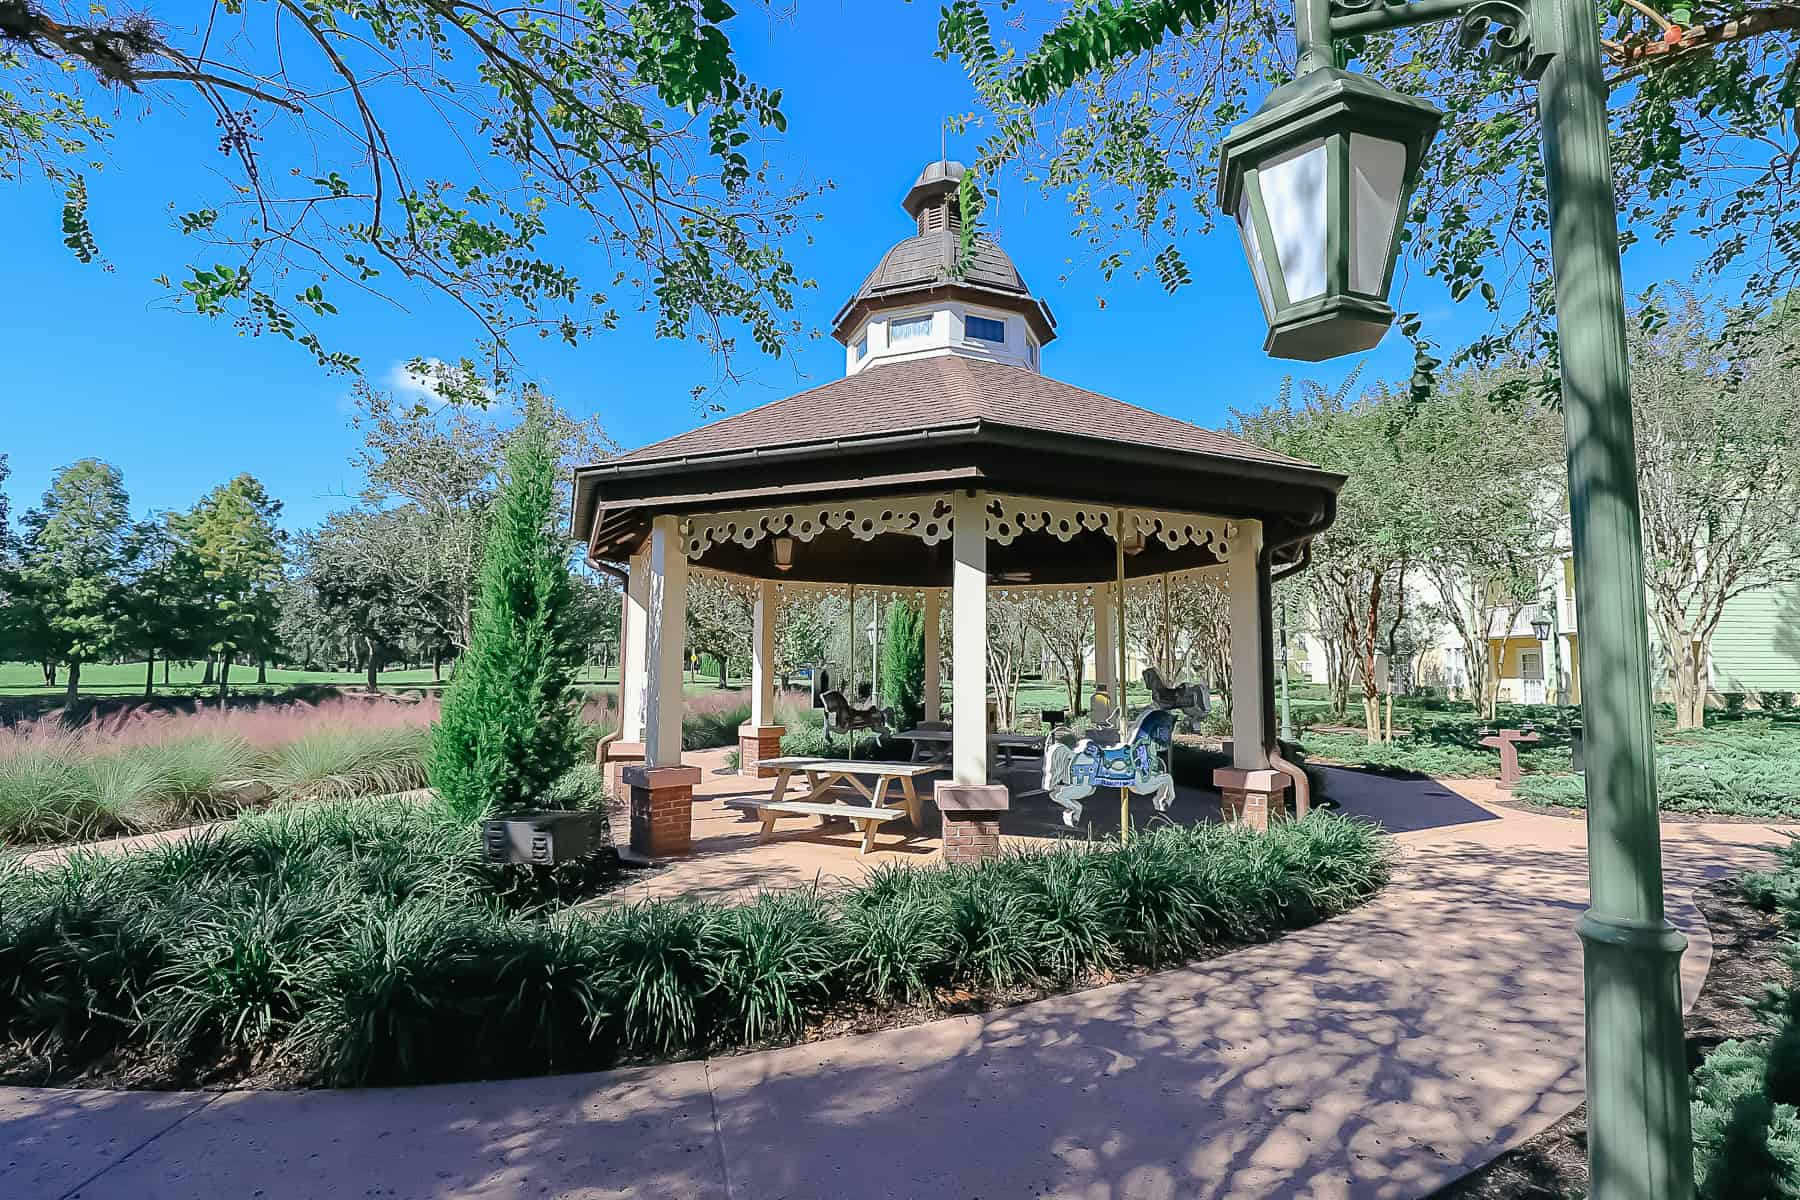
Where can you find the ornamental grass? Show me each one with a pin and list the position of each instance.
(143, 769)
(364, 942)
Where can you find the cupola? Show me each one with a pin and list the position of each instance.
(916, 304)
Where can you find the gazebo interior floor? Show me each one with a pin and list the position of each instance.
(730, 859)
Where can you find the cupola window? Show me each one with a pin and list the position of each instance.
(862, 347)
(986, 329)
(909, 329)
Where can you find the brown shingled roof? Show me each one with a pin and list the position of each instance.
(944, 392)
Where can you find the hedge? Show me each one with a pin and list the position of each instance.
(365, 942)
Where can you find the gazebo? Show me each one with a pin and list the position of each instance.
(945, 463)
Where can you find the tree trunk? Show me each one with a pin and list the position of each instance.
(374, 665)
(1690, 683)
(262, 670)
(723, 681)
(224, 675)
(437, 667)
(150, 675)
(1366, 654)
(50, 674)
(165, 672)
(207, 678)
(74, 682)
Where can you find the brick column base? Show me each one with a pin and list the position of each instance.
(662, 809)
(971, 813)
(1252, 797)
(755, 743)
(620, 755)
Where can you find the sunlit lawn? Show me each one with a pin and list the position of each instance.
(127, 679)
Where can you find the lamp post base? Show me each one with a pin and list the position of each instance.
(1637, 1080)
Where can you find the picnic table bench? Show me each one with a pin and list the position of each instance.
(825, 774)
(933, 745)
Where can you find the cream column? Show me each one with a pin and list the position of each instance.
(1246, 648)
(968, 645)
(934, 705)
(1106, 658)
(666, 645)
(634, 616)
(762, 653)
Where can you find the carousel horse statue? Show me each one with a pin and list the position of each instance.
(1072, 773)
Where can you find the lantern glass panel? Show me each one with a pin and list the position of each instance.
(1253, 250)
(1293, 190)
(1378, 171)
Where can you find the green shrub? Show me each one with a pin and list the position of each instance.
(772, 964)
(1749, 769)
(509, 727)
(367, 940)
(233, 975)
(657, 959)
(903, 662)
(1775, 701)
(1746, 1147)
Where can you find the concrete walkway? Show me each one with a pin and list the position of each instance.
(1378, 1055)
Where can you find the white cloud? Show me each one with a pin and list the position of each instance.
(408, 384)
(421, 385)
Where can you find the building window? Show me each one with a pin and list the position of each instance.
(985, 329)
(908, 329)
(862, 347)
(1031, 352)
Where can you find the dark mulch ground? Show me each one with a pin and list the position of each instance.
(1747, 945)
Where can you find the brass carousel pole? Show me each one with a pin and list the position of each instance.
(850, 667)
(1120, 705)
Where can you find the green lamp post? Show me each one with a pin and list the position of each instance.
(1310, 178)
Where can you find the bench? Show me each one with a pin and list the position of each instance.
(825, 774)
(934, 745)
(866, 820)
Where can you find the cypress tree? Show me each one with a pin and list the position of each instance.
(903, 662)
(509, 727)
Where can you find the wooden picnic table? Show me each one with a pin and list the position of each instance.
(933, 745)
(869, 779)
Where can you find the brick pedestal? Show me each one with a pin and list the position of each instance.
(971, 813)
(619, 755)
(1253, 797)
(662, 809)
(755, 743)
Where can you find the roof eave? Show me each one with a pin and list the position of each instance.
(978, 431)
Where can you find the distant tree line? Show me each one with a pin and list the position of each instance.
(392, 578)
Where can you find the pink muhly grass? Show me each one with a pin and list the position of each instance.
(715, 702)
(264, 727)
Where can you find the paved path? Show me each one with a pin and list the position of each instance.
(1377, 1055)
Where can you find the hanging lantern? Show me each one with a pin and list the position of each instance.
(1540, 625)
(781, 552)
(1319, 180)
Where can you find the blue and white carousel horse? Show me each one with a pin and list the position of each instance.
(1072, 773)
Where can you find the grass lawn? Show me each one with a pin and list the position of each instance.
(127, 679)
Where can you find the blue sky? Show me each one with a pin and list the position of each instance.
(179, 403)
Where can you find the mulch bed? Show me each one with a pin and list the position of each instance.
(1747, 955)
